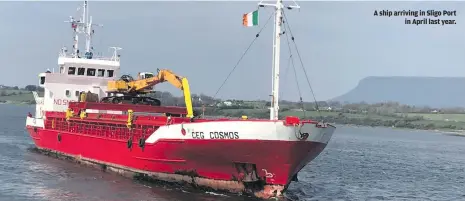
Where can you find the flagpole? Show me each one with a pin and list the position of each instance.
(278, 6)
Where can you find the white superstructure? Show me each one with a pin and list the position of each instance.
(77, 72)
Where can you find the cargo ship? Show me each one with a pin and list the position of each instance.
(92, 115)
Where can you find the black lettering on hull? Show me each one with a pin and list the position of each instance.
(224, 135)
(198, 135)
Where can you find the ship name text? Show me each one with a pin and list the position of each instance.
(62, 101)
(216, 135)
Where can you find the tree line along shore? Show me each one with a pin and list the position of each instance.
(388, 114)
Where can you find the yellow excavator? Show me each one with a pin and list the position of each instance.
(132, 91)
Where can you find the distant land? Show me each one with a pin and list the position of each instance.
(386, 114)
(17, 95)
(439, 92)
(432, 92)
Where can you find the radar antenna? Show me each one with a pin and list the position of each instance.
(115, 56)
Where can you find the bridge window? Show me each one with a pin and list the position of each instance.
(91, 72)
(101, 72)
(81, 71)
(76, 93)
(71, 70)
(42, 80)
(109, 73)
(67, 93)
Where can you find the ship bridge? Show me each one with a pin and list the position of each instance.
(76, 75)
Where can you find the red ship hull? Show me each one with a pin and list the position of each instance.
(220, 164)
(210, 160)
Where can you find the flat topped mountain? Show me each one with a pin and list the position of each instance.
(417, 91)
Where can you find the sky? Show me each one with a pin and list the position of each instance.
(340, 43)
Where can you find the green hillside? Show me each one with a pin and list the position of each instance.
(15, 95)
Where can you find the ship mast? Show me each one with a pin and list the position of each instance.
(83, 26)
(274, 109)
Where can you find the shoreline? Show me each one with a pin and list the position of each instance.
(460, 133)
(16, 103)
(452, 132)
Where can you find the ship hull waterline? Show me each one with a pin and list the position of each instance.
(202, 163)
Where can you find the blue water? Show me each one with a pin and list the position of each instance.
(358, 164)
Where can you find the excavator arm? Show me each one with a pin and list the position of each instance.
(164, 75)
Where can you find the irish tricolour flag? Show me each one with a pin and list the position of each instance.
(250, 19)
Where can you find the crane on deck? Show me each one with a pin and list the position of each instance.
(130, 90)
